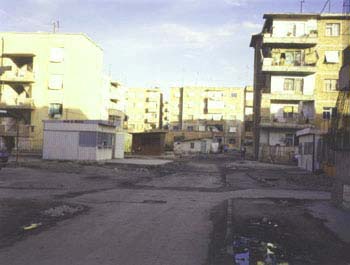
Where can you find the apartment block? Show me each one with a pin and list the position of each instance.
(50, 76)
(208, 109)
(144, 109)
(296, 66)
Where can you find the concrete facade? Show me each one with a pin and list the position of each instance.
(297, 61)
(208, 109)
(52, 76)
(144, 107)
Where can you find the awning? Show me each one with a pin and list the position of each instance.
(332, 56)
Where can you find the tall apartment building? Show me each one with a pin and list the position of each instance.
(144, 109)
(296, 66)
(213, 109)
(50, 76)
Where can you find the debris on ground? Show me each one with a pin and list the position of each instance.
(32, 226)
(62, 210)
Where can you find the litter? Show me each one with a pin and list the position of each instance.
(31, 226)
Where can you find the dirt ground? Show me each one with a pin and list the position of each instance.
(201, 210)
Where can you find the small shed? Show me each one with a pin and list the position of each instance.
(90, 140)
(148, 143)
(194, 146)
(309, 147)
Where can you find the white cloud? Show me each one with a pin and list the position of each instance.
(236, 2)
(172, 34)
(251, 25)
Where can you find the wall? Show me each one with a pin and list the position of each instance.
(137, 105)
(281, 28)
(81, 69)
(277, 84)
(185, 147)
(119, 145)
(61, 145)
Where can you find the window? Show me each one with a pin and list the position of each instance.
(55, 110)
(288, 84)
(56, 55)
(332, 29)
(175, 128)
(105, 140)
(88, 139)
(192, 145)
(293, 58)
(56, 82)
(293, 84)
(233, 129)
(232, 141)
(331, 57)
(233, 95)
(190, 128)
(330, 85)
(329, 113)
(288, 112)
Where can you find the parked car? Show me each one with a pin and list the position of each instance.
(4, 158)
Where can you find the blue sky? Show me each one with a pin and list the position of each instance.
(161, 42)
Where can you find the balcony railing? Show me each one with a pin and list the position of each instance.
(287, 121)
(11, 130)
(19, 103)
(306, 40)
(296, 67)
(288, 95)
(18, 75)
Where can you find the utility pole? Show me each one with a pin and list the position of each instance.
(301, 5)
(56, 26)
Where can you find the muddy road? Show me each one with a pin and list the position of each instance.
(204, 210)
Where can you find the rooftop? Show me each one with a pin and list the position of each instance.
(308, 15)
(52, 34)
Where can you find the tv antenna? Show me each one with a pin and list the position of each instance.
(328, 3)
(346, 7)
(56, 26)
(302, 2)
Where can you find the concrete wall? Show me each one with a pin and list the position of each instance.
(277, 84)
(185, 147)
(119, 145)
(81, 70)
(282, 28)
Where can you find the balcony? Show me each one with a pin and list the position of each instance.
(11, 130)
(17, 76)
(151, 110)
(283, 95)
(19, 103)
(292, 121)
(295, 68)
(308, 40)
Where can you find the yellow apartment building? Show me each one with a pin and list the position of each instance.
(208, 109)
(296, 66)
(144, 109)
(50, 76)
